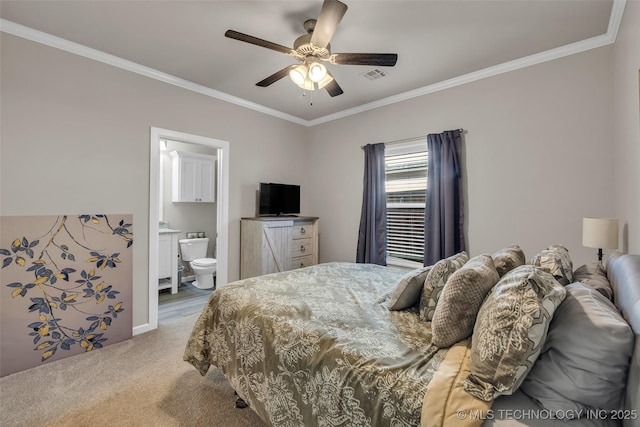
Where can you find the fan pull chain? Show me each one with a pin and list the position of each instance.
(304, 94)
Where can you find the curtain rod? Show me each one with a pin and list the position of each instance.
(415, 138)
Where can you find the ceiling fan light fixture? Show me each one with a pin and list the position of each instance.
(310, 85)
(307, 85)
(317, 71)
(299, 74)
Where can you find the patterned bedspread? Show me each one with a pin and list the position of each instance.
(319, 346)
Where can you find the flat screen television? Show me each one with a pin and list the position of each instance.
(278, 199)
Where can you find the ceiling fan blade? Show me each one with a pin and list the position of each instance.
(258, 42)
(327, 23)
(381, 59)
(276, 76)
(333, 88)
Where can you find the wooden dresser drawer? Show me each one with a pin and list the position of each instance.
(300, 262)
(302, 247)
(302, 230)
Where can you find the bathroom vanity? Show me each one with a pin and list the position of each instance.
(168, 259)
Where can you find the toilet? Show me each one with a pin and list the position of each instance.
(195, 251)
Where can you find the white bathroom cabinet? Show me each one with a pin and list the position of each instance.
(193, 177)
(168, 260)
(273, 244)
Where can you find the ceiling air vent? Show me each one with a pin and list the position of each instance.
(375, 74)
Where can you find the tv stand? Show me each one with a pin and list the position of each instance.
(270, 244)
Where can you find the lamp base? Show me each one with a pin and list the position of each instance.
(600, 255)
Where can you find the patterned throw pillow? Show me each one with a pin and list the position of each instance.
(435, 281)
(510, 330)
(557, 261)
(407, 291)
(508, 258)
(461, 298)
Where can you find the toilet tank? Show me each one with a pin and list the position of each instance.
(193, 248)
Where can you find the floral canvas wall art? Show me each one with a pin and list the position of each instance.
(66, 286)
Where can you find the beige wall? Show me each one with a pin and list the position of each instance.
(75, 139)
(535, 158)
(625, 136)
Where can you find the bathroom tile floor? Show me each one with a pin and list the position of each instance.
(187, 301)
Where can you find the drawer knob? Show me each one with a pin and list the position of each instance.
(303, 231)
(302, 248)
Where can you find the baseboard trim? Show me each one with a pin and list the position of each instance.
(141, 329)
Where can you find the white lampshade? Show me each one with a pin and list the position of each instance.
(317, 72)
(600, 233)
(299, 74)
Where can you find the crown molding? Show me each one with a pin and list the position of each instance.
(41, 37)
(617, 11)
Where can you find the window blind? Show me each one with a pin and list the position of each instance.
(406, 186)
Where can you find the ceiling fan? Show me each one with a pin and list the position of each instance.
(313, 49)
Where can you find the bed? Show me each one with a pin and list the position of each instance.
(327, 345)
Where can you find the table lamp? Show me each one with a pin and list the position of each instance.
(600, 233)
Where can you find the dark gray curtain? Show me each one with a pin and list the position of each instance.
(444, 212)
(372, 236)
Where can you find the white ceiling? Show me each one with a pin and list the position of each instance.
(439, 43)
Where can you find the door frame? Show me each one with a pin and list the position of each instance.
(222, 207)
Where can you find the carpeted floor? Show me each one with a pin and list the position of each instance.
(139, 382)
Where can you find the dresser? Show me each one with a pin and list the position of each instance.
(273, 244)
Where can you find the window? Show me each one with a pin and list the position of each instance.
(406, 186)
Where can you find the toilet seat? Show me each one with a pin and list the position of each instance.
(204, 262)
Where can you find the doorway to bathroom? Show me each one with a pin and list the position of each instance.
(209, 218)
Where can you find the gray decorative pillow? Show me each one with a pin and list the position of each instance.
(435, 281)
(461, 298)
(508, 258)
(586, 356)
(557, 261)
(510, 331)
(408, 290)
(594, 277)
